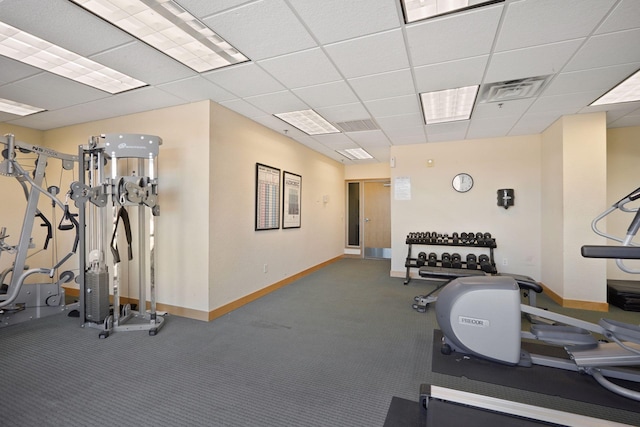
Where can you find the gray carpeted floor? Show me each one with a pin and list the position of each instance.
(331, 349)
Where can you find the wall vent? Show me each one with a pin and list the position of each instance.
(512, 89)
(357, 125)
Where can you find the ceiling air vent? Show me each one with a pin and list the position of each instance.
(513, 89)
(357, 125)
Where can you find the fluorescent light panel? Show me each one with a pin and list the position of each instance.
(308, 121)
(29, 49)
(168, 27)
(448, 105)
(355, 154)
(416, 10)
(17, 108)
(627, 91)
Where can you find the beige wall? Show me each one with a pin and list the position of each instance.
(209, 254)
(367, 171)
(237, 252)
(183, 180)
(552, 208)
(623, 158)
(498, 163)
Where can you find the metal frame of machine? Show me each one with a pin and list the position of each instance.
(103, 202)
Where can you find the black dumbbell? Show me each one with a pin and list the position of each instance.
(432, 259)
(446, 260)
(472, 262)
(455, 239)
(485, 263)
(422, 259)
(456, 260)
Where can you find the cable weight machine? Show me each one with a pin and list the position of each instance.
(20, 301)
(103, 202)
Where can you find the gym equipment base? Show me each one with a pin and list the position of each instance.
(537, 379)
(35, 300)
(462, 409)
(129, 321)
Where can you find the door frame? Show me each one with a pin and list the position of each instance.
(353, 250)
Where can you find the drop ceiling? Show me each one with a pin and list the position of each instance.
(350, 61)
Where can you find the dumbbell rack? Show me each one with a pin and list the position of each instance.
(472, 240)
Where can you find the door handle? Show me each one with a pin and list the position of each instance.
(367, 220)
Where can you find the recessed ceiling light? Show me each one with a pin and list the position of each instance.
(17, 108)
(416, 10)
(308, 121)
(355, 154)
(448, 105)
(29, 49)
(168, 27)
(627, 91)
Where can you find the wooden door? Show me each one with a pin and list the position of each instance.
(377, 220)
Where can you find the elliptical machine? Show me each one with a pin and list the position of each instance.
(481, 316)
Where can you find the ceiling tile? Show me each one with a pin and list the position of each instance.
(513, 108)
(139, 60)
(452, 74)
(203, 8)
(280, 126)
(370, 139)
(534, 122)
(399, 105)
(530, 62)
(244, 80)
(454, 36)
(241, 106)
(490, 127)
(344, 112)
(336, 141)
(11, 70)
(335, 20)
(277, 102)
(372, 54)
(533, 22)
(625, 16)
(50, 91)
(307, 68)
(595, 79)
(569, 103)
(325, 95)
(412, 135)
(380, 155)
(195, 89)
(258, 38)
(385, 85)
(113, 106)
(598, 52)
(453, 131)
(400, 122)
(63, 23)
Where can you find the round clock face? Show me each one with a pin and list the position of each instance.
(462, 182)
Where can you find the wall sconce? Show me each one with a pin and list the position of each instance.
(506, 197)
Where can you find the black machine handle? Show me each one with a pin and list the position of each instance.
(612, 252)
(49, 228)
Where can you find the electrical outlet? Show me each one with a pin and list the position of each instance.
(265, 268)
(505, 261)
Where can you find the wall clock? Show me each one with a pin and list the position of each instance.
(462, 182)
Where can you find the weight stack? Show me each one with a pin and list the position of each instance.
(96, 296)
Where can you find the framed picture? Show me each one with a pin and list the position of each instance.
(267, 197)
(291, 200)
